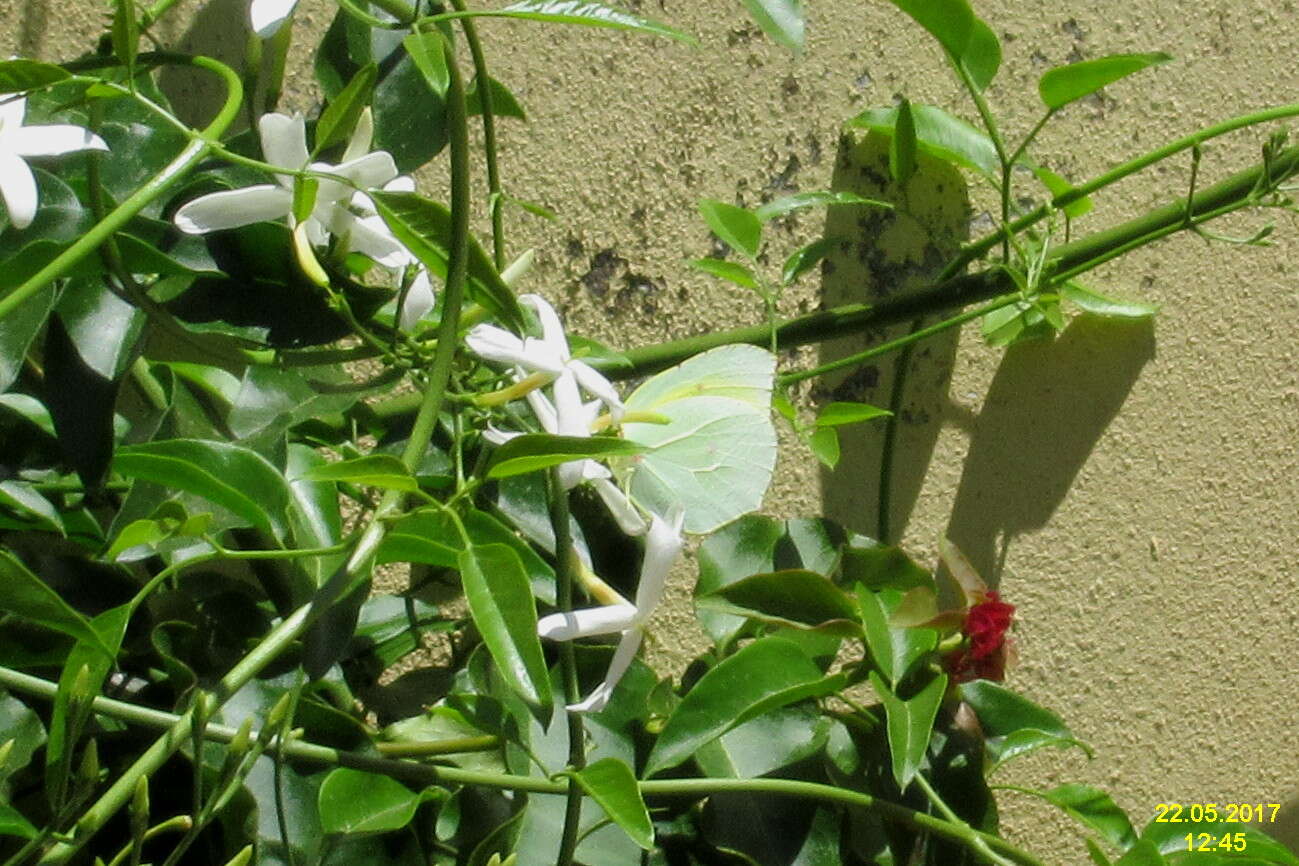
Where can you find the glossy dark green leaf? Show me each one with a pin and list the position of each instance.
(268, 401)
(21, 724)
(231, 476)
(902, 145)
(28, 596)
(60, 217)
(738, 228)
(782, 20)
(534, 451)
(1144, 853)
(729, 271)
(17, 331)
(879, 566)
(103, 326)
(430, 536)
(81, 402)
(390, 627)
(838, 413)
(424, 226)
(807, 257)
(409, 117)
(939, 134)
(372, 470)
(19, 75)
(1094, 851)
(1058, 187)
(766, 743)
(500, 600)
(824, 444)
(1060, 86)
(12, 823)
(790, 203)
(895, 651)
(314, 513)
(26, 502)
(612, 785)
(504, 104)
(96, 656)
(910, 724)
(351, 801)
(1013, 724)
(427, 52)
(587, 14)
(125, 32)
(796, 597)
(1092, 301)
(1096, 810)
(771, 672)
(339, 117)
(969, 42)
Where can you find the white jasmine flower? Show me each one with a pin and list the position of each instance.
(548, 354)
(19, 143)
(284, 143)
(663, 545)
(268, 16)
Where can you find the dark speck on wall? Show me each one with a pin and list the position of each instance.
(604, 265)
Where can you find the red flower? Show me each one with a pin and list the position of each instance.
(985, 627)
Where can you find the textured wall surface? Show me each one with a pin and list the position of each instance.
(1133, 489)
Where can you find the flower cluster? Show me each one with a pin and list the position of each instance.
(546, 361)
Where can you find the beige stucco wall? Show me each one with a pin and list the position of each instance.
(1144, 480)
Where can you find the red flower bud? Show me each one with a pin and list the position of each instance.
(985, 627)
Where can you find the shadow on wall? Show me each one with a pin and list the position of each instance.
(219, 30)
(884, 254)
(1043, 414)
(1047, 406)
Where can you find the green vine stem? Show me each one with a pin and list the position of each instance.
(193, 153)
(564, 569)
(428, 774)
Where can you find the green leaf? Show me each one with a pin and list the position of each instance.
(1012, 724)
(374, 470)
(910, 724)
(25, 500)
(504, 104)
(715, 455)
(21, 724)
(807, 257)
(588, 14)
(1092, 301)
(424, 226)
(939, 134)
(12, 823)
(339, 118)
(612, 784)
(880, 566)
(1094, 808)
(771, 672)
(1169, 837)
(534, 451)
(731, 271)
(125, 32)
(428, 53)
(738, 228)
(825, 446)
(838, 413)
(795, 597)
(28, 596)
(1144, 853)
(351, 801)
(902, 146)
(18, 329)
(1064, 84)
(788, 204)
(19, 75)
(782, 20)
(895, 651)
(231, 476)
(500, 600)
(765, 743)
(969, 43)
(1058, 186)
(1094, 851)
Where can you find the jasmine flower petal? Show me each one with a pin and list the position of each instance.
(268, 16)
(663, 544)
(55, 139)
(622, 658)
(18, 189)
(594, 382)
(284, 143)
(496, 344)
(589, 622)
(624, 513)
(234, 208)
(362, 134)
(419, 300)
